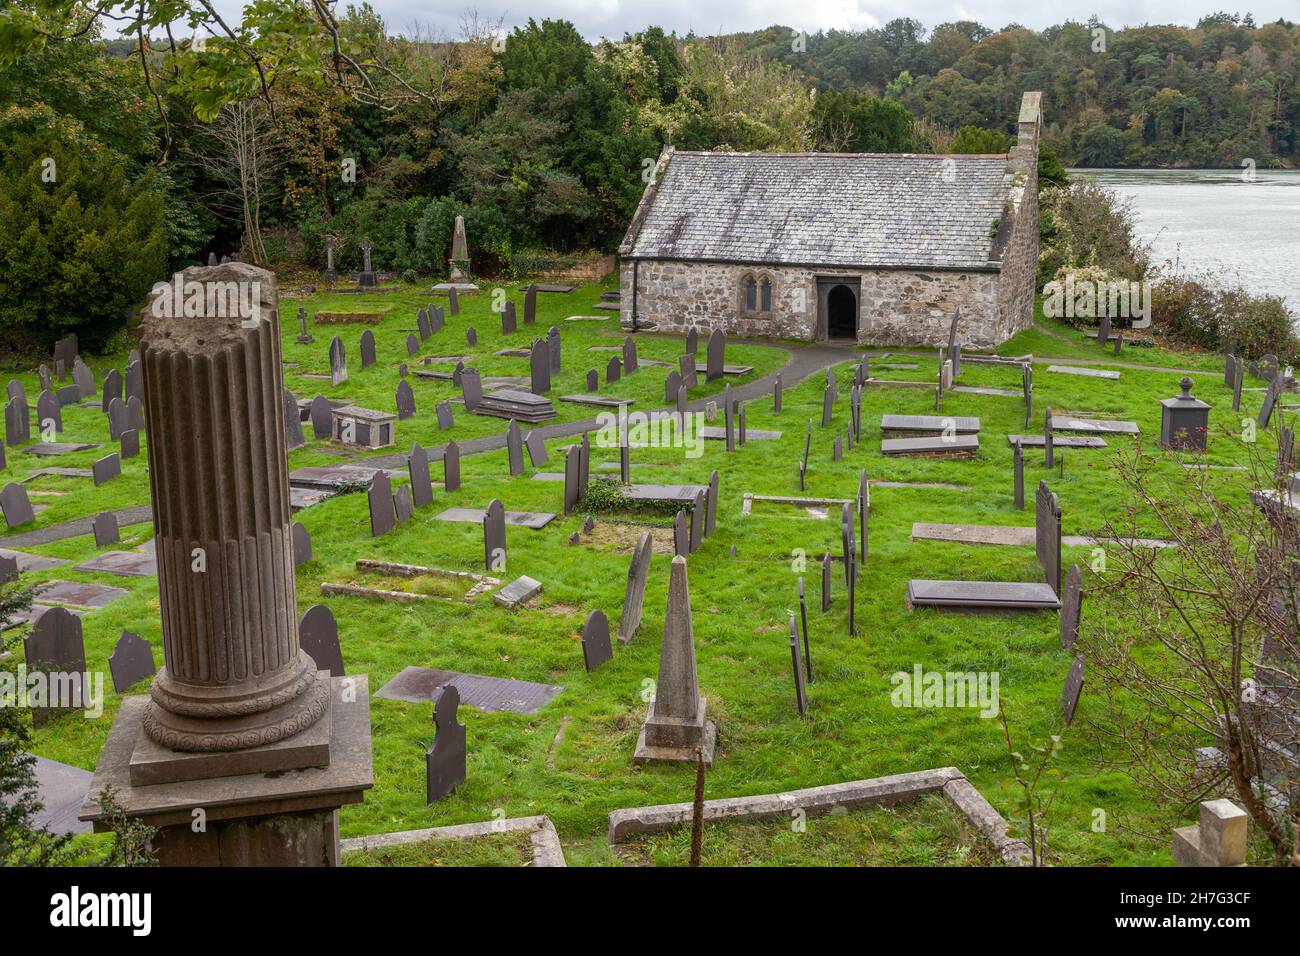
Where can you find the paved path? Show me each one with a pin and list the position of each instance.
(70, 529)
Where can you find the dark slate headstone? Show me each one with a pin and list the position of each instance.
(444, 763)
(553, 340)
(405, 399)
(681, 403)
(55, 646)
(301, 540)
(3, 465)
(828, 405)
(1073, 688)
(417, 465)
(443, 411)
(837, 449)
(130, 662)
(1047, 534)
(803, 623)
(613, 370)
(954, 350)
(107, 468)
(322, 417)
(436, 319)
(494, 536)
(49, 413)
(135, 413)
(318, 636)
(864, 517)
(593, 380)
(508, 321)
(84, 378)
(1027, 386)
(596, 649)
(717, 350)
(800, 692)
(1266, 409)
(514, 449)
(15, 506)
(1229, 369)
(338, 362)
(826, 582)
(672, 384)
(1103, 330)
(453, 301)
(630, 360)
(1018, 475)
(106, 529)
(412, 344)
(1047, 439)
(536, 446)
(634, 596)
(530, 305)
(380, 496)
(681, 535)
(573, 490)
(119, 419)
(15, 390)
(133, 382)
(1236, 388)
(697, 522)
(69, 395)
(711, 510)
(471, 389)
(451, 467)
(112, 389)
(18, 422)
(729, 420)
(686, 371)
(293, 437)
(46, 377)
(403, 506)
(422, 322)
(539, 361)
(692, 342)
(776, 395)
(1071, 607)
(624, 458)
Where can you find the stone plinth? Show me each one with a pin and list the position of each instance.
(1218, 840)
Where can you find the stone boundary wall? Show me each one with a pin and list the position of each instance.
(546, 842)
(818, 801)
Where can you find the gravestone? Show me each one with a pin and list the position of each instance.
(742, 433)
(55, 647)
(954, 350)
(681, 535)
(711, 512)
(49, 413)
(47, 380)
(728, 416)
(1018, 469)
(613, 370)
(133, 382)
(453, 301)
(593, 380)
(338, 362)
(405, 399)
(471, 389)
(776, 395)
(539, 362)
(367, 278)
(111, 389)
(1073, 688)
(106, 529)
(697, 522)
(119, 419)
(596, 649)
(417, 466)
(1047, 535)
(530, 304)
(672, 384)
(131, 661)
(796, 665)
(321, 414)
(130, 446)
(514, 449)
(826, 583)
(412, 344)
(1027, 386)
(106, 469)
(135, 413)
(573, 490)
(15, 390)
(692, 342)
(624, 457)
(508, 322)
(403, 506)
(1266, 409)
(634, 594)
(494, 536)
(451, 467)
(1103, 330)
(318, 636)
(444, 763)
(1049, 459)
(293, 436)
(443, 411)
(536, 447)
(1236, 388)
(864, 518)
(301, 540)
(837, 449)
(367, 349)
(422, 323)
(304, 337)
(1184, 420)
(717, 349)
(1071, 607)
(686, 371)
(380, 497)
(630, 360)
(677, 727)
(584, 465)
(15, 505)
(8, 569)
(1229, 370)
(1285, 453)
(553, 340)
(681, 404)
(18, 422)
(330, 273)
(828, 405)
(436, 319)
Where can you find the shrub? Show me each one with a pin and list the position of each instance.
(1086, 224)
(1191, 310)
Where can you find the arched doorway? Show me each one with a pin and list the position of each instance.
(842, 313)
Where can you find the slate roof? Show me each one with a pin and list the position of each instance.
(825, 209)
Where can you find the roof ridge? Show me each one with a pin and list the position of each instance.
(806, 155)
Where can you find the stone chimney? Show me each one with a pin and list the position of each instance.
(1024, 155)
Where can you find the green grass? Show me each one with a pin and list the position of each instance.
(523, 765)
(505, 849)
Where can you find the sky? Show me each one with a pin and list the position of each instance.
(612, 18)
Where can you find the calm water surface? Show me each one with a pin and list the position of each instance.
(1247, 232)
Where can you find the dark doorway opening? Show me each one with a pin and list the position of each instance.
(842, 313)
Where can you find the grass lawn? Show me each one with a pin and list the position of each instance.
(512, 848)
(572, 759)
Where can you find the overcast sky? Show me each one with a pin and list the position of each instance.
(613, 18)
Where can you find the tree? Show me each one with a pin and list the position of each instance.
(853, 121)
(973, 139)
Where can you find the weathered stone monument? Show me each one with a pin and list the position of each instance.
(459, 260)
(237, 703)
(596, 649)
(444, 762)
(677, 724)
(1218, 840)
(367, 278)
(1184, 420)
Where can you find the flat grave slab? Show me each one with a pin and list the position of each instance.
(1066, 423)
(597, 400)
(702, 368)
(936, 424)
(33, 614)
(129, 563)
(335, 477)
(78, 594)
(930, 445)
(555, 287)
(751, 434)
(588, 318)
(62, 789)
(683, 493)
(536, 520)
(987, 390)
(59, 473)
(55, 448)
(300, 498)
(489, 694)
(1058, 441)
(31, 562)
(519, 591)
(1015, 535)
(982, 594)
(1087, 372)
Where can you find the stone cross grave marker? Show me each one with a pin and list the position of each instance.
(494, 536)
(304, 337)
(380, 497)
(451, 467)
(330, 272)
(366, 247)
(131, 661)
(634, 595)
(417, 465)
(596, 649)
(318, 636)
(444, 763)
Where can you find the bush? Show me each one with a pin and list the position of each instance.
(1192, 311)
(1086, 224)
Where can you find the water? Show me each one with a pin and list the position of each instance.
(1242, 232)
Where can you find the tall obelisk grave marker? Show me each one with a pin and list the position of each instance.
(237, 700)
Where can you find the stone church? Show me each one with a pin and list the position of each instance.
(851, 247)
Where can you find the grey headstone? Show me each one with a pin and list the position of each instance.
(1018, 475)
(508, 321)
(453, 301)
(418, 468)
(436, 319)
(405, 399)
(536, 446)
(1073, 688)
(18, 422)
(530, 305)
(131, 661)
(776, 395)
(1047, 535)
(133, 382)
(573, 490)
(444, 763)
(624, 458)
(135, 413)
(826, 582)
(322, 417)
(800, 692)
(711, 512)
(84, 378)
(717, 350)
(112, 388)
(119, 419)
(672, 385)
(837, 449)
(1071, 607)
(553, 340)
(686, 371)
(1266, 409)
(380, 497)
(46, 377)
(514, 449)
(519, 591)
(803, 623)
(49, 412)
(106, 529)
(55, 646)
(338, 362)
(451, 467)
(302, 550)
(697, 522)
(412, 344)
(539, 361)
(318, 636)
(634, 595)
(681, 535)
(630, 360)
(596, 649)
(422, 323)
(1229, 370)
(107, 468)
(403, 507)
(443, 411)
(1027, 386)
(613, 370)
(1047, 439)
(584, 464)
(494, 536)
(15, 390)
(1236, 388)
(593, 380)
(471, 389)
(293, 436)
(692, 342)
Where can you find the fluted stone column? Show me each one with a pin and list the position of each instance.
(234, 677)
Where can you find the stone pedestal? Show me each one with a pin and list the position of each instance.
(1218, 840)
(1184, 421)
